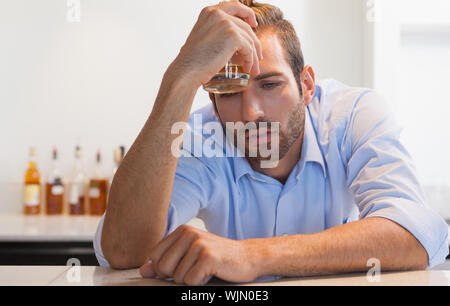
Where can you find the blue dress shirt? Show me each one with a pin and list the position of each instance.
(352, 166)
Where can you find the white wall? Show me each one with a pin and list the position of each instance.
(96, 80)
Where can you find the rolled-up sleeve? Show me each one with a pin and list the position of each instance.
(193, 189)
(383, 180)
(97, 244)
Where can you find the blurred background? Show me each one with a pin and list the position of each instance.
(87, 73)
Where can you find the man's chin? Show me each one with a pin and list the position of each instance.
(255, 154)
(263, 162)
(258, 157)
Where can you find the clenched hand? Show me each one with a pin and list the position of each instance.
(192, 257)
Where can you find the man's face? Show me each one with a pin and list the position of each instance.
(271, 97)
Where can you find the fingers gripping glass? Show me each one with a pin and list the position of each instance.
(231, 79)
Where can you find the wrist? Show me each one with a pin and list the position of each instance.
(279, 256)
(258, 254)
(176, 95)
(180, 73)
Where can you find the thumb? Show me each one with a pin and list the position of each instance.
(147, 271)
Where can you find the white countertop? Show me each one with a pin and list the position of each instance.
(21, 228)
(97, 276)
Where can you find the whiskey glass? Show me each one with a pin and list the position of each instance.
(231, 79)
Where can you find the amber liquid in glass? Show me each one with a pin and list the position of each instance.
(98, 192)
(231, 79)
(54, 194)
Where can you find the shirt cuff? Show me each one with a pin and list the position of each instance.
(98, 246)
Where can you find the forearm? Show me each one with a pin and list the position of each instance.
(140, 194)
(343, 249)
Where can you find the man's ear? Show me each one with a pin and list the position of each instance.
(308, 79)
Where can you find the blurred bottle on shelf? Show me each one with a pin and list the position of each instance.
(119, 154)
(54, 191)
(32, 188)
(77, 191)
(98, 189)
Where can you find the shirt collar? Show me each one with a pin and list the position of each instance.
(311, 151)
(241, 166)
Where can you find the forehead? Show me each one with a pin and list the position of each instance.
(273, 53)
(273, 50)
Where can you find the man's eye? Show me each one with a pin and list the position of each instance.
(270, 85)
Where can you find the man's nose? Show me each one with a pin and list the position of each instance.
(252, 108)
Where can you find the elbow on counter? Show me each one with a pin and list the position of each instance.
(120, 253)
(110, 252)
(119, 258)
(123, 263)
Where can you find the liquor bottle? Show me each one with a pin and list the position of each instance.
(98, 190)
(119, 154)
(54, 191)
(32, 188)
(77, 191)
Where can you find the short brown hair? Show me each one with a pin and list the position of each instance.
(271, 17)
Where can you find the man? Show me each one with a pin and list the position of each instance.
(343, 191)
